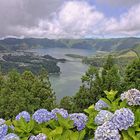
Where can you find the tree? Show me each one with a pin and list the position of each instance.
(132, 75)
(25, 92)
(110, 75)
(95, 82)
(67, 103)
(90, 90)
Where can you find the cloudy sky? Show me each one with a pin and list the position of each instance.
(69, 18)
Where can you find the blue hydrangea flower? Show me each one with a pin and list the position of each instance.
(123, 118)
(132, 97)
(40, 136)
(2, 121)
(79, 119)
(32, 138)
(42, 115)
(102, 117)
(11, 136)
(24, 115)
(107, 132)
(3, 130)
(62, 112)
(100, 105)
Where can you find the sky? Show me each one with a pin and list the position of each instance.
(70, 18)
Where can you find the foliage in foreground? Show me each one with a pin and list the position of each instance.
(110, 118)
(24, 91)
(95, 81)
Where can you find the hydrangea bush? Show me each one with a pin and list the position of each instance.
(110, 118)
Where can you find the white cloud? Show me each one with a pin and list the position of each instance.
(75, 19)
(72, 19)
(128, 24)
(25, 14)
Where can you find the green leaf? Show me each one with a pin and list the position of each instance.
(91, 125)
(8, 122)
(111, 95)
(46, 131)
(82, 134)
(106, 101)
(123, 104)
(126, 136)
(57, 131)
(18, 130)
(90, 110)
(30, 126)
(22, 124)
(138, 136)
(52, 123)
(137, 115)
(66, 135)
(26, 138)
(74, 136)
(65, 122)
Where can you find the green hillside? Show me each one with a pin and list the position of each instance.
(122, 58)
(109, 45)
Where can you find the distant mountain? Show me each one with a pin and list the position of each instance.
(113, 44)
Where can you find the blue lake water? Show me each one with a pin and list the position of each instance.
(68, 82)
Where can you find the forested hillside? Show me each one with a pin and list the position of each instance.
(104, 97)
(114, 44)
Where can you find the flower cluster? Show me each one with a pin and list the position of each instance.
(123, 118)
(3, 130)
(2, 121)
(132, 97)
(79, 119)
(102, 117)
(107, 132)
(101, 104)
(109, 124)
(40, 136)
(11, 136)
(62, 112)
(42, 115)
(24, 115)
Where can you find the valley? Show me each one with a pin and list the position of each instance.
(65, 60)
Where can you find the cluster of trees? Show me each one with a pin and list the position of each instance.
(96, 81)
(29, 62)
(27, 91)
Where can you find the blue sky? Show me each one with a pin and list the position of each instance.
(110, 11)
(70, 18)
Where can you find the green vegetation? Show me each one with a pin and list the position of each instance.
(121, 58)
(29, 62)
(96, 81)
(132, 75)
(111, 117)
(75, 56)
(25, 91)
(108, 45)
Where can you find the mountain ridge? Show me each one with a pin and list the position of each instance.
(110, 44)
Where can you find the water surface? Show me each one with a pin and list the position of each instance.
(68, 82)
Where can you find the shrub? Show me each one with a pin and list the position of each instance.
(110, 119)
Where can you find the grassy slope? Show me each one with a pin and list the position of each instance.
(122, 58)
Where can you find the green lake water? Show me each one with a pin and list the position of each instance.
(68, 82)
